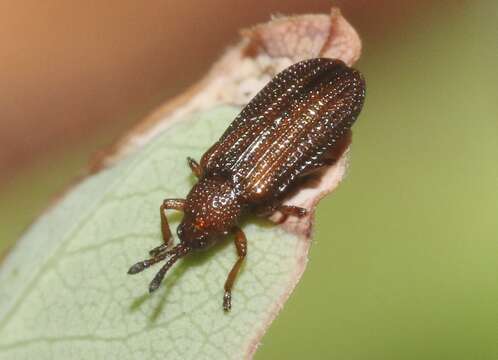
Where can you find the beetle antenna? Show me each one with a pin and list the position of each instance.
(142, 265)
(179, 251)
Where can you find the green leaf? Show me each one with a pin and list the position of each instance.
(65, 292)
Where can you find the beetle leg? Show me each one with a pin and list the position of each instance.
(241, 245)
(176, 204)
(290, 210)
(286, 210)
(194, 166)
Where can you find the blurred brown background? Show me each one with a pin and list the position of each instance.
(74, 70)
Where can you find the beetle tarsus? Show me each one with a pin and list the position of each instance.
(227, 301)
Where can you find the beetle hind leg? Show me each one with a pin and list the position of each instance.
(290, 210)
(285, 210)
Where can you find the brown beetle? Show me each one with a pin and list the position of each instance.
(298, 123)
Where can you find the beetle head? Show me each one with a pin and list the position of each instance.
(211, 211)
(196, 236)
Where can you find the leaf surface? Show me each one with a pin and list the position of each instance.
(65, 293)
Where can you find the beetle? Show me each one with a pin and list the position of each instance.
(298, 123)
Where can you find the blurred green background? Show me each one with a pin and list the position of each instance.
(405, 259)
(404, 264)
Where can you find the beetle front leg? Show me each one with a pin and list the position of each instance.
(195, 167)
(175, 204)
(241, 245)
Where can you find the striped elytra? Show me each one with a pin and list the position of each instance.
(298, 123)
